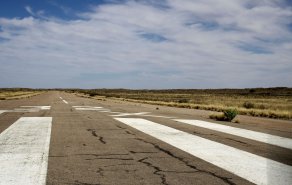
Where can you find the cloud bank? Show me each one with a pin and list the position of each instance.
(145, 44)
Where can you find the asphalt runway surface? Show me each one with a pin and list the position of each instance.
(60, 138)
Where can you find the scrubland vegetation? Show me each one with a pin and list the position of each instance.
(262, 102)
(17, 93)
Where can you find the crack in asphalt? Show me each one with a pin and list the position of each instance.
(100, 172)
(58, 156)
(130, 133)
(83, 183)
(100, 138)
(104, 156)
(198, 133)
(237, 141)
(95, 155)
(133, 152)
(224, 179)
(120, 127)
(111, 158)
(122, 164)
(100, 156)
(156, 168)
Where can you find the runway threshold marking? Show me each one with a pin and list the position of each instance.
(251, 167)
(257, 136)
(118, 114)
(130, 114)
(27, 109)
(24, 148)
(38, 107)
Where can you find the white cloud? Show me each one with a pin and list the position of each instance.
(206, 43)
(39, 13)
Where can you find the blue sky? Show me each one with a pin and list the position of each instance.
(145, 43)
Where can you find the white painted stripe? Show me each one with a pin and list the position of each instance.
(159, 116)
(87, 107)
(39, 107)
(24, 148)
(65, 101)
(25, 110)
(258, 136)
(254, 168)
(2, 111)
(90, 108)
(130, 114)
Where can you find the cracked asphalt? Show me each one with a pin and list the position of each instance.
(90, 147)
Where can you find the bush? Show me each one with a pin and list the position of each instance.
(92, 94)
(183, 101)
(248, 105)
(230, 114)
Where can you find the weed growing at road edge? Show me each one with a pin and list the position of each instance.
(228, 115)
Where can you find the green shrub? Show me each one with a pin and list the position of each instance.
(230, 114)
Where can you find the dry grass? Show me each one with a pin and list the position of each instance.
(14, 94)
(272, 103)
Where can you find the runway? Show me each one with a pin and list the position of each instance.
(60, 138)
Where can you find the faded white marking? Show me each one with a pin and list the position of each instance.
(61, 98)
(87, 107)
(90, 108)
(105, 111)
(257, 136)
(2, 111)
(256, 169)
(65, 101)
(24, 148)
(39, 107)
(159, 116)
(25, 110)
(28, 109)
(130, 114)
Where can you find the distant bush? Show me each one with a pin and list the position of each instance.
(183, 100)
(252, 90)
(92, 94)
(248, 105)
